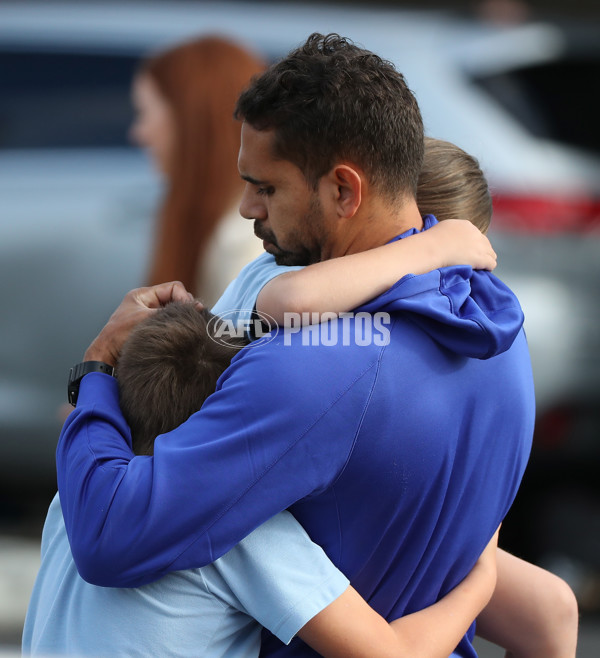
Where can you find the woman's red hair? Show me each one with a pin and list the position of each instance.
(201, 80)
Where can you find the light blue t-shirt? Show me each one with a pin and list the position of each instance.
(276, 577)
(240, 295)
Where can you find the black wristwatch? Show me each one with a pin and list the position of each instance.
(77, 373)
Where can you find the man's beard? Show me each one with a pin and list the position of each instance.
(308, 241)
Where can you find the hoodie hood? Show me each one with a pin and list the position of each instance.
(470, 312)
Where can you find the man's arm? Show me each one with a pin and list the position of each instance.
(349, 628)
(131, 519)
(342, 284)
(532, 612)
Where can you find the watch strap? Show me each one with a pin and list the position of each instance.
(78, 372)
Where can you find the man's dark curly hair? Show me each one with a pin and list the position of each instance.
(330, 100)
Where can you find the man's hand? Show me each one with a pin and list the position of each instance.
(137, 305)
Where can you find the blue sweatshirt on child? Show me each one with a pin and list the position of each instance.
(400, 453)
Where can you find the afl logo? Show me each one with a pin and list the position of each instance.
(232, 327)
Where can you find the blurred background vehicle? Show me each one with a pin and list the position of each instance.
(77, 206)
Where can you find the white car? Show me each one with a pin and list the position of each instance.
(77, 202)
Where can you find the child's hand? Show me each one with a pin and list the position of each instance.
(461, 243)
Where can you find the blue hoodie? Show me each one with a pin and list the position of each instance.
(400, 459)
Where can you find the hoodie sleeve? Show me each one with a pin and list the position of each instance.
(245, 456)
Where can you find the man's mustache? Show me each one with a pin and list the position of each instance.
(262, 234)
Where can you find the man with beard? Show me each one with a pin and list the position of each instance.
(399, 455)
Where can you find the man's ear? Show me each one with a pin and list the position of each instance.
(347, 184)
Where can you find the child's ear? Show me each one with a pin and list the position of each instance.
(347, 185)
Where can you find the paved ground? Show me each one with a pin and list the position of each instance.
(19, 561)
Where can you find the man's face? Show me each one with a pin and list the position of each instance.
(287, 213)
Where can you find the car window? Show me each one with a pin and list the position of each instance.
(68, 100)
(552, 100)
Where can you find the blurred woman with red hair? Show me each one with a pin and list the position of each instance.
(184, 99)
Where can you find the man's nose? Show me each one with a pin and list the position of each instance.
(251, 206)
